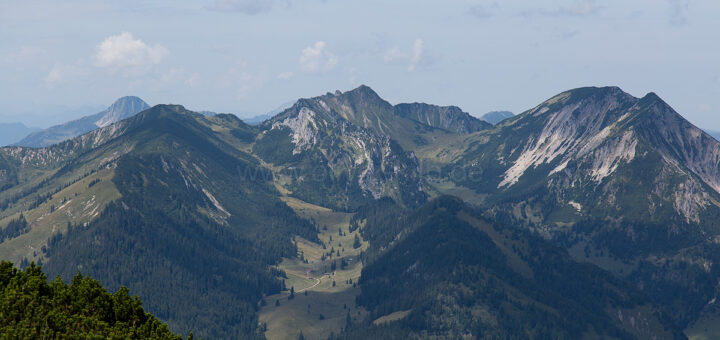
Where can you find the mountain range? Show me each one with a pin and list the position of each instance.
(13, 132)
(593, 214)
(123, 108)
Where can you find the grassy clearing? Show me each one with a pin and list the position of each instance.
(395, 316)
(606, 262)
(705, 328)
(78, 203)
(326, 306)
(468, 195)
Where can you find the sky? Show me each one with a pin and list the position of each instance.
(64, 59)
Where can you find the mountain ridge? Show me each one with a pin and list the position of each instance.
(166, 189)
(621, 182)
(122, 108)
(13, 132)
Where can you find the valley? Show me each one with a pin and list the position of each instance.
(323, 297)
(347, 217)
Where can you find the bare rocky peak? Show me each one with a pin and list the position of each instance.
(411, 125)
(586, 135)
(122, 108)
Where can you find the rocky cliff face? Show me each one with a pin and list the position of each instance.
(410, 125)
(325, 150)
(620, 181)
(123, 108)
(585, 146)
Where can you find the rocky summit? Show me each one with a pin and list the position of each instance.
(593, 214)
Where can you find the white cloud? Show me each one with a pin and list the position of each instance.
(316, 58)
(124, 53)
(412, 58)
(284, 75)
(418, 49)
(249, 7)
(25, 53)
(61, 73)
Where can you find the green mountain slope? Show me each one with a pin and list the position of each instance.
(622, 182)
(188, 210)
(192, 227)
(457, 275)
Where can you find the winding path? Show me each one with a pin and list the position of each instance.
(313, 286)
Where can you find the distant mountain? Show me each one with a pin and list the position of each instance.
(12, 132)
(263, 117)
(495, 117)
(122, 108)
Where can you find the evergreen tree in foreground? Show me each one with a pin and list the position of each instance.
(32, 308)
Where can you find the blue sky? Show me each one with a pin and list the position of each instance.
(63, 59)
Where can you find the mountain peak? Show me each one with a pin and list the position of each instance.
(364, 89)
(363, 94)
(651, 96)
(494, 117)
(122, 108)
(128, 99)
